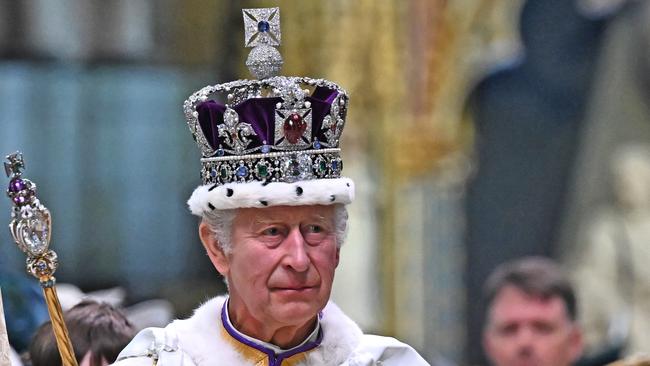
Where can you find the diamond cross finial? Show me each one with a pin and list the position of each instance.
(262, 26)
(15, 164)
(262, 32)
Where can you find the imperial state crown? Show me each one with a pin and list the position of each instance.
(269, 141)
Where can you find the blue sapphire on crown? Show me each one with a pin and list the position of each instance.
(263, 26)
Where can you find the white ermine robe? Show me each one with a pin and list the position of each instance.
(204, 339)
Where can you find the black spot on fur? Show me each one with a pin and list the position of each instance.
(213, 187)
(229, 192)
(264, 203)
(211, 206)
(347, 184)
(332, 198)
(299, 191)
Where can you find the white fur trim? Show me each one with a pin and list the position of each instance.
(256, 194)
(199, 341)
(201, 335)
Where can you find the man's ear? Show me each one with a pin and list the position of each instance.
(576, 342)
(218, 258)
(338, 257)
(487, 344)
(487, 336)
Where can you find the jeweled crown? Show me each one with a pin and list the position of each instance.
(274, 129)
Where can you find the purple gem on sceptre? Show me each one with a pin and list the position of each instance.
(20, 200)
(16, 185)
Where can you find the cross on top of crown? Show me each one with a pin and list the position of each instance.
(262, 26)
(15, 164)
(262, 33)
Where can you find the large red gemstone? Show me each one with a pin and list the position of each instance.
(294, 127)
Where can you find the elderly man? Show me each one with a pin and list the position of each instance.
(531, 315)
(273, 222)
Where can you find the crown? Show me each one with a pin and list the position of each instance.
(274, 129)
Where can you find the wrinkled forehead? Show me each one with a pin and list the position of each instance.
(285, 214)
(512, 304)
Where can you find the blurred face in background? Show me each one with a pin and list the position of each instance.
(87, 360)
(527, 330)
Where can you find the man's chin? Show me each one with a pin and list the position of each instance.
(295, 310)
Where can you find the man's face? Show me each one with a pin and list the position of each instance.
(281, 266)
(525, 330)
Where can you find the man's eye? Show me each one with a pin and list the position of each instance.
(544, 328)
(314, 229)
(314, 233)
(272, 231)
(507, 330)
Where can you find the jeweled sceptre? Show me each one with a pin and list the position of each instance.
(31, 227)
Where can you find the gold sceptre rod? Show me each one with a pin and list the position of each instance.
(31, 227)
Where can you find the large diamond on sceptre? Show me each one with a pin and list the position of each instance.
(31, 228)
(262, 32)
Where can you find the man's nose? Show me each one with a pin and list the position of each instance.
(525, 340)
(296, 256)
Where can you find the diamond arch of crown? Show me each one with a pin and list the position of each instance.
(292, 92)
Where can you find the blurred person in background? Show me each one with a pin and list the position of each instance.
(531, 315)
(24, 307)
(98, 333)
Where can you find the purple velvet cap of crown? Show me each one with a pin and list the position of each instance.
(260, 114)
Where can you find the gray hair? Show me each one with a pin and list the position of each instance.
(220, 223)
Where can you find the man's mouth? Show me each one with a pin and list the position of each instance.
(293, 289)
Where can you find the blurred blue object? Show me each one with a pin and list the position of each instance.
(24, 307)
